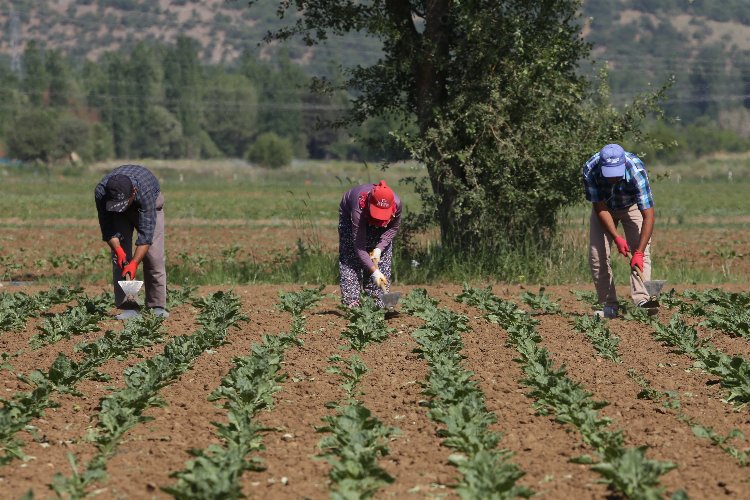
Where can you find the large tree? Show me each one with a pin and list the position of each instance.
(505, 119)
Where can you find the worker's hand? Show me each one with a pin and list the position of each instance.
(379, 278)
(129, 269)
(622, 245)
(375, 256)
(637, 260)
(120, 257)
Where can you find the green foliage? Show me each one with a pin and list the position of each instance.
(33, 135)
(270, 150)
(541, 302)
(357, 440)
(626, 470)
(498, 103)
(247, 389)
(366, 324)
(123, 409)
(599, 334)
(457, 402)
(231, 112)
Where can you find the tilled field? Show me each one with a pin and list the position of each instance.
(413, 415)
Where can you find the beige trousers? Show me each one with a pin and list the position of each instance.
(600, 250)
(154, 265)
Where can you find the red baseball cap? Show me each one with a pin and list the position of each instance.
(382, 204)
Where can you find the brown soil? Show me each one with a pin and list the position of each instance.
(542, 447)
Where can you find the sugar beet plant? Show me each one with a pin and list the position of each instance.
(124, 409)
(355, 437)
(597, 331)
(77, 320)
(366, 324)
(724, 311)
(625, 470)
(458, 404)
(62, 377)
(17, 308)
(671, 400)
(247, 389)
(733, 371)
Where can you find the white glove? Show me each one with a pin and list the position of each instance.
(375, 256)
(379, 279)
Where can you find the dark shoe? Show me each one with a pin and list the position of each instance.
(650, 305)
(609, 312)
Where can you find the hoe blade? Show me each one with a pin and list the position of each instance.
(654, 287)
(130, 288)
(391, 299)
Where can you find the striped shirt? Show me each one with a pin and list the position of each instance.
(147, 189)
(633, 188)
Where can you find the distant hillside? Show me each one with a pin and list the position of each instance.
(223, 28)
(705, 44)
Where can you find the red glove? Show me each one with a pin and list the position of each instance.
(622, 246)
(130, 269)
(637, 260)
(120, 257)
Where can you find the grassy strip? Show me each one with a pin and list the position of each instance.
(63, 376)
(123, 409)
(458, 404)
(17, 308)
(247, 389)
(625, 470)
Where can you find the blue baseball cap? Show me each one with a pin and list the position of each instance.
(612, 160)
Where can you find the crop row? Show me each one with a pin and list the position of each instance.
(64, 374)
(247, 389)
(17, 308)
(124, 409)
(625, 470)
(355, 437)
(458, 404)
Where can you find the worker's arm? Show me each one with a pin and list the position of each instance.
(608, 223)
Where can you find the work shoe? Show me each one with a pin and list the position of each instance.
(609, 312)
(128, 314)
(160, 311)
(650, 305)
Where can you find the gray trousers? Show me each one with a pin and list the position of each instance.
(600, 249)
(154, 265)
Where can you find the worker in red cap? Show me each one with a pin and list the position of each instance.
(369, 218)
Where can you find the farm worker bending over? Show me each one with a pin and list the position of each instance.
(369, 218)
(617, 186)
(130, 198)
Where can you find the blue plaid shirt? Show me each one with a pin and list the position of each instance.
(146, 191)
(633, 188)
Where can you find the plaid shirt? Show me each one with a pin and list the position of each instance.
(633, 188)
(146, 191)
